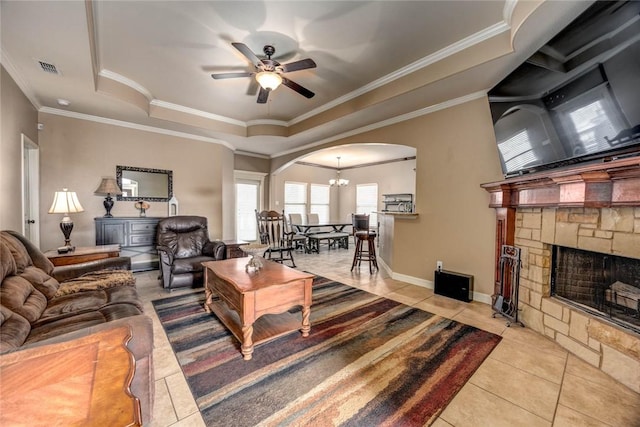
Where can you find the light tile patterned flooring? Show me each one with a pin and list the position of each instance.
(526, 381)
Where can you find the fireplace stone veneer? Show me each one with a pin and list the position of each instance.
(532, 215)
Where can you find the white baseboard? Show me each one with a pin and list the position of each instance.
(477, 296)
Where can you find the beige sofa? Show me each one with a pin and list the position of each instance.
(42, 307)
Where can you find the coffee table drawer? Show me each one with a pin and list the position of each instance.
(233, 299)
(279, 298)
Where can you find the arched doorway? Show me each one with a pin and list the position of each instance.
(388, 167)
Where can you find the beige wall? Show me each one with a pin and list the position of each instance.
(254, 164)
(17, 116)
(456, 152)
(77, 153)
(251, 164)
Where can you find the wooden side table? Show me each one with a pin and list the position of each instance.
(233, 248)
(83, 254)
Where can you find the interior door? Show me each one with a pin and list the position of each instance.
(30, 190)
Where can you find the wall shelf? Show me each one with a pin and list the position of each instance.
(401, 202)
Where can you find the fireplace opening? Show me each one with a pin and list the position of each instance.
(601, 284)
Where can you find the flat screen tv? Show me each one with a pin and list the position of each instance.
(577, 99)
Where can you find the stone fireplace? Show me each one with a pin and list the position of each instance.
(592, 208)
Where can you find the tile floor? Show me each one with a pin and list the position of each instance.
(526, 381)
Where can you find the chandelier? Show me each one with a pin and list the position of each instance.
(338, 182)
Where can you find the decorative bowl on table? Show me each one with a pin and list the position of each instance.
(255, 250)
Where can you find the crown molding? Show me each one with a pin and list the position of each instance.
(107, 74)
(452, 49)
(195, 112)
(136, 126)
(268, 122)
(242, 174)
(24, 85)
(393, 120)
(250, 154)
(507, 11)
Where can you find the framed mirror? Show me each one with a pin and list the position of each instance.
(154, 185)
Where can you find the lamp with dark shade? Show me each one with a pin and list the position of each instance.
(66, 202)
(108, 187)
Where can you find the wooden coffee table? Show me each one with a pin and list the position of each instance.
(253, 305)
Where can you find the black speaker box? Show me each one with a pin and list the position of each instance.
(454, 285)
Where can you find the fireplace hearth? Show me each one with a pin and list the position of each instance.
(601, 284)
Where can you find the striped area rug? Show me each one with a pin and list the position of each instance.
(368, 361)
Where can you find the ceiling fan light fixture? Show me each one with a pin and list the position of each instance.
(269, 80)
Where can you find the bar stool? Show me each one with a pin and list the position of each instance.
(362, 234)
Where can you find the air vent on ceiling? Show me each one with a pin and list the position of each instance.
(48, 68)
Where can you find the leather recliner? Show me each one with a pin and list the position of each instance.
(183, 245)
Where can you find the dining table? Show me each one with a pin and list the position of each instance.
(336, 227)
(314, 234)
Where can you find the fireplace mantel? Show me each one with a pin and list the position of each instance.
(608, 184)
(614, 183)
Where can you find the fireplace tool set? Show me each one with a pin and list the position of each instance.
(505, 303)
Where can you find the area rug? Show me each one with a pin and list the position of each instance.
(369, 361)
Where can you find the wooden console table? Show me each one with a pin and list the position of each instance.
(136, 237)
(83, 254)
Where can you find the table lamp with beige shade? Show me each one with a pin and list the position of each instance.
(66, 202)
(108, 187)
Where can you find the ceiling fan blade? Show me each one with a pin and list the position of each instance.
(230, 75)
(295, 86)
(252, 88)
(263, 95)
(244, 49)
(303, 64)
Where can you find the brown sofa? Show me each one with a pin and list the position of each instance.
(42, 306)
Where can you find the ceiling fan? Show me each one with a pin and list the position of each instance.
(269, 72)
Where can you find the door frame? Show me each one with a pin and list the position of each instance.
(30, 188)
(240, 176)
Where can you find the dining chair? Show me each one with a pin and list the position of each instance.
(274, 231)
(362, 233)
(299, 238)
(313, 218)
(295, 218)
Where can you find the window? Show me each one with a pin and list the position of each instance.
(320, 202)
(295, 198)
(592, 117)
(367, 201)
(516, 151)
